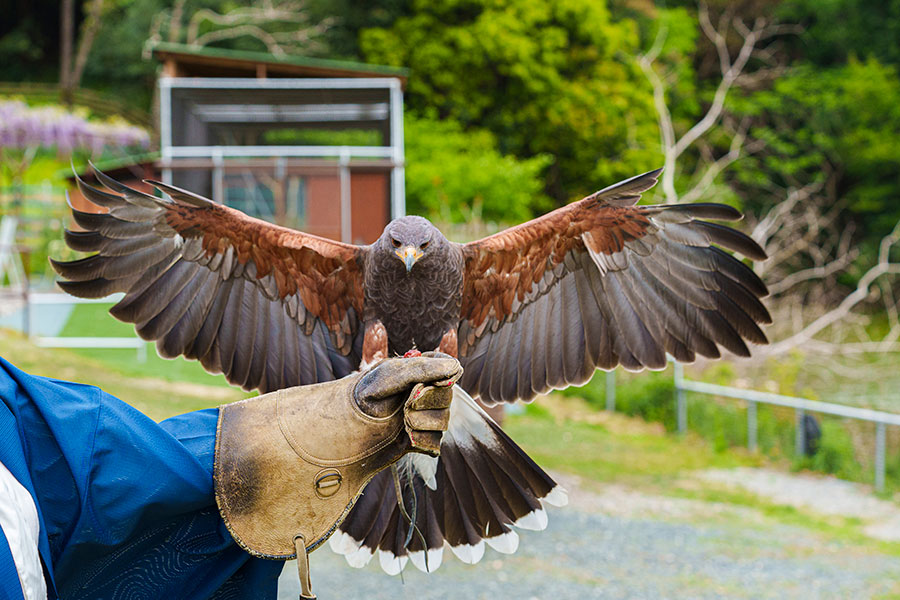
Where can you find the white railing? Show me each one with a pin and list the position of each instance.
(881, 419)
(47, 298)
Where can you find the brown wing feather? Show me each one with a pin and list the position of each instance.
(629, 282)
(326, 274)
(210, 282)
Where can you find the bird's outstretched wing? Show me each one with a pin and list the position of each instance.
(603, 282)
(267, 306)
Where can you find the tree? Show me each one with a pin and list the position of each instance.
(70, 72)
(713, 124)
(832, 159)
(813, 152)
(545, 78)
(844, 122)
(456, 176)
(836, 30)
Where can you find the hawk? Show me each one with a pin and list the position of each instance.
(598, 283)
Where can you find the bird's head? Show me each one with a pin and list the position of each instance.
(411, 240)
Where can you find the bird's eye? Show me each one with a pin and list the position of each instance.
(396, 243)
(425, 245)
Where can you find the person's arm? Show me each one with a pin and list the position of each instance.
(124, 502)
(128, 504)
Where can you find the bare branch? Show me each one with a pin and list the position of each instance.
(175, 21)
(883, 267)
(820, 272)
(664, 117)
(731, 69)
(715, 37)
(730, 73)
(256, 21)
(238, 31)
(773, 219)
(714, 167)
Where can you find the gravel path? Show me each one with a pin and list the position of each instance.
(627, 544)
(820, 494)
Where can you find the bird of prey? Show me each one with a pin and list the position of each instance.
(598, 283)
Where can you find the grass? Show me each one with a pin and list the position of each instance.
(609, 448)
(94, 320)
(158, 393)
(845, 449)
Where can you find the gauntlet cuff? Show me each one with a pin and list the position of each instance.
(293, 462)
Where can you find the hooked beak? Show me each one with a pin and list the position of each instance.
(409, 255)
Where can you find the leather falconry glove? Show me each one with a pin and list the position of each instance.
(290, 464)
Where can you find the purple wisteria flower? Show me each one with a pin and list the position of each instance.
(22, 127)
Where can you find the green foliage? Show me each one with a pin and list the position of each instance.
(545, 78)
(723, 422)
(648, 395)
(837, 29)
(453, 175)
(847, 117)
(28, 40)
(680, 31)
(116, 63)
(836, 453)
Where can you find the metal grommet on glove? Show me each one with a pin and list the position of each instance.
(328, 483)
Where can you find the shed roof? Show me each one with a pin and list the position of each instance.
(203, 61)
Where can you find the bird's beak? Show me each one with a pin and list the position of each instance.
(409, 255)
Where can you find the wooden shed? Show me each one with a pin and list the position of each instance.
(308, 143)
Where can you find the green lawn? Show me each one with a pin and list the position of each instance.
(94, 320)
(566, 434)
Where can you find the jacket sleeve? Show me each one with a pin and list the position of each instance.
(126, 503)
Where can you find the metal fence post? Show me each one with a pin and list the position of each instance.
(802, 406)
(879, 457)
(611, 391)
(680, 400)
(751, 426)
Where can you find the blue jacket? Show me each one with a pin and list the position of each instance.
(126, 505)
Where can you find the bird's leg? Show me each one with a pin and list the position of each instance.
(449, 343)
(375, 344)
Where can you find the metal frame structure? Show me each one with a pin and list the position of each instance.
(881, 419)
(392, 153)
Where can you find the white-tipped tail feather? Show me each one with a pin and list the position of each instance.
(392, 565)
(480, 489)
(469, 553)
(536, 520)
(435, 558)
(558, 496)
(505, 543)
